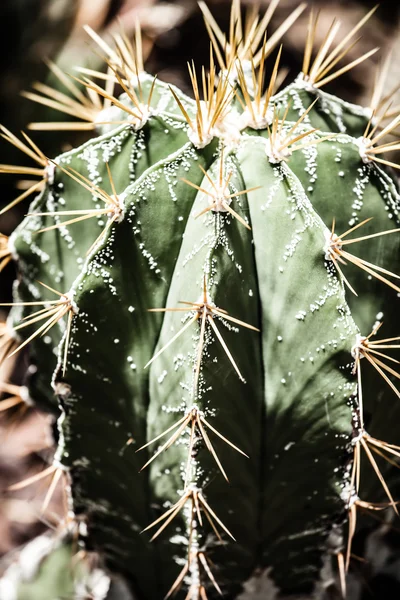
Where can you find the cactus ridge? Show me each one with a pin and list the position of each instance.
(211, 315)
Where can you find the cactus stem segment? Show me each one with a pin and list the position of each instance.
(194, 419)
(53, 312)
(198, 504)
(142, 105)
(219, 197)
(32, 151)
(334, 252)
(318, 73)
(244, 41)
(207, 312)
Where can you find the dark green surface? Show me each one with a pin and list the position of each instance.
(257, 416)
(292, 416)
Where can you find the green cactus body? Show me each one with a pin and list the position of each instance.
(209, 321)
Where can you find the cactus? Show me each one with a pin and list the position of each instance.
(198, 284)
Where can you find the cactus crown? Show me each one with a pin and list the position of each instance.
(188, 289)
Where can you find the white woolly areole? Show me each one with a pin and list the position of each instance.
(69, 297)
(361, 433)
(360, 339)
(138, 122)
(210, 304)
(303, 82)
(226, 127)
(194, 566)
(194, 409)
(362, 144)
(348, 495)
(254, 119)
(273, 153)
(331, 241)
(120, 200)
(207, 133)
(194, 138)
(218, 200)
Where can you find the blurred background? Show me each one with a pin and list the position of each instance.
(32, 31)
